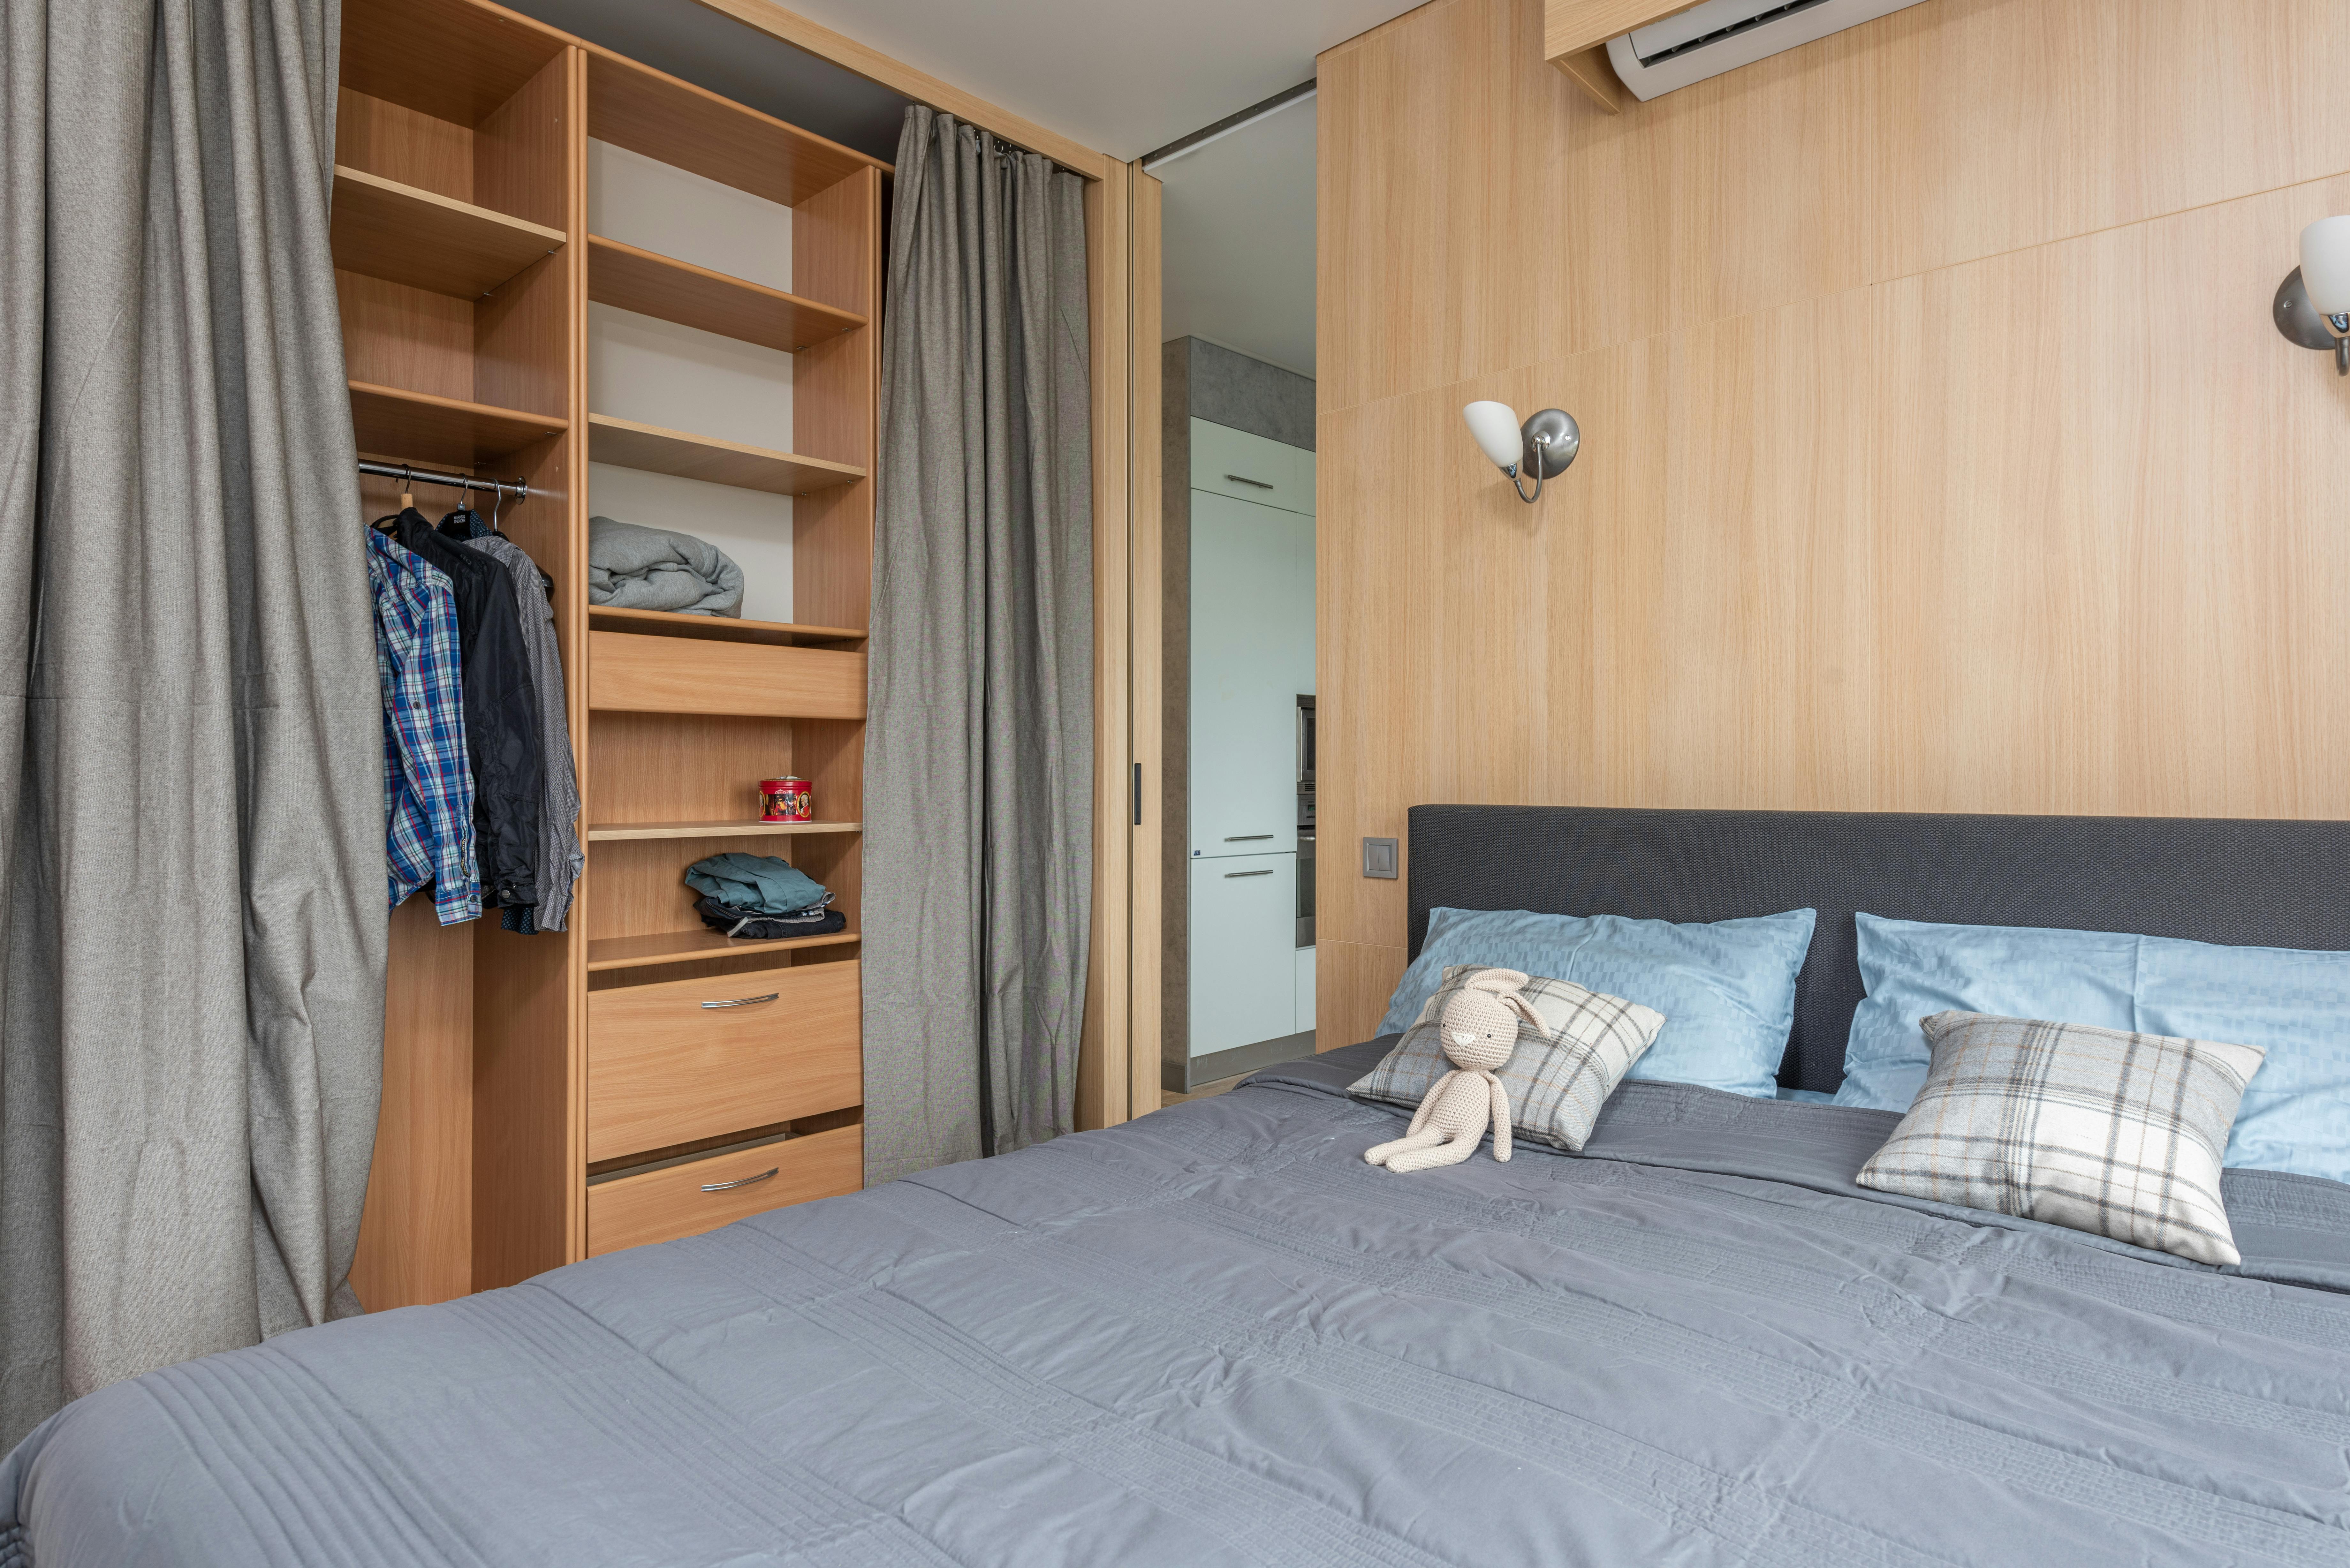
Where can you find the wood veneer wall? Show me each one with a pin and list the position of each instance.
(1938, 453)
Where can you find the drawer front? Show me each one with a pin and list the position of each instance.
(633, 673)
(662, 1205)
(1227, 462)
(697, 1058)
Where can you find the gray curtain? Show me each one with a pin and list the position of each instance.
(192, 825)
(979, 743)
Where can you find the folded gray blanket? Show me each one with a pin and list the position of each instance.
(632, 567)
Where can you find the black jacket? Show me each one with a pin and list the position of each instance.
(501, 711)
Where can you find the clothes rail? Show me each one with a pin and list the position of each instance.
(409, 477)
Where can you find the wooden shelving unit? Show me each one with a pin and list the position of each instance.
(615, 832)
(422, 239)
(628, 444)
(686, 946)
(629, 278)
(465, 270)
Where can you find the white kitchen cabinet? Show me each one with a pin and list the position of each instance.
(1252, 659)
(1305, 483)
(1244, 980)
(1226, 462)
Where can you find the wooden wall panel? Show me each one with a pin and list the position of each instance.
(1938, 453)
(1466, 186)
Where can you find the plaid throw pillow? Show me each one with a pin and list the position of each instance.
(1556, 1085)
(2097, 1129)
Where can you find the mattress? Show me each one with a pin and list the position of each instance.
(1216, 1336)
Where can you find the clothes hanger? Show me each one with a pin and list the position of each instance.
(407, 489)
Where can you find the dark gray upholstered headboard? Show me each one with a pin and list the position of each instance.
(2247, 884)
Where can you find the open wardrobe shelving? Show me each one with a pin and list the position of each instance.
(639, 1076)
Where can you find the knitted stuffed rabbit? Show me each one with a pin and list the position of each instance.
(1478, 1029)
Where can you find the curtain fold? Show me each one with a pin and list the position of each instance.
(978, 739)
(191, 795)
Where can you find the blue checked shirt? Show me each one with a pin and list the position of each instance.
(428, 774)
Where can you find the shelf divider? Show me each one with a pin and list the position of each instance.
(392, 421)
(629, 278)
(599, 831)
(717, 627)
(384, 229)
(624, 443)
(686, 946)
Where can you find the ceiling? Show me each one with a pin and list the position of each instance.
(1124, 77)
(1237, 264)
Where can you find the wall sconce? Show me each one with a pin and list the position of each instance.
(2312, 303)
(1542, 446)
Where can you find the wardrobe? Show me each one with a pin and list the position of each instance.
(636, 1077)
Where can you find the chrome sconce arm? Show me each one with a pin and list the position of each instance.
(2304, 324)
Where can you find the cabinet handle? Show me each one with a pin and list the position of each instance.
(746, 1181)
(1247, 838)
(745, 1001)
(1244, 479)
(1230, 874)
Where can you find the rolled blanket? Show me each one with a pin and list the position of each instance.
(631, 567)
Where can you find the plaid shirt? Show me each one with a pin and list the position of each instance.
(428, 774)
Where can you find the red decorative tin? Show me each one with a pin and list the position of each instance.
(786, 800)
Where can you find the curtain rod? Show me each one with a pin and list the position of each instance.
(518, 488)
(1226, 126)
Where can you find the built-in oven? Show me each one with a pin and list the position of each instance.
(1304, 821)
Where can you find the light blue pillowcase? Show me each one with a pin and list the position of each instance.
(1727, 989)
(1915, 970)
(2292, 1003)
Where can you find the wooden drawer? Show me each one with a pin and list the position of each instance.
(636, 673)
(668, 1065)
(662, 1205)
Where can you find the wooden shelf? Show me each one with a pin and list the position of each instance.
(417, 427)
(628, 278)
(480, 56)
(719, 627)
(681, 125)
(600, 830)
(685, 947)
(384, 229)
(628, 444)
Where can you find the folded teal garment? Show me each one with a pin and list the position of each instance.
(757, 884)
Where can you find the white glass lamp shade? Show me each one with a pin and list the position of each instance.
(2325, 265)
(1495, 426)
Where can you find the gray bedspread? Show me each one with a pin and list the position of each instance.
(1217, 1336)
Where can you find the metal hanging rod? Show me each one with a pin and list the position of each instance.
(409, 477)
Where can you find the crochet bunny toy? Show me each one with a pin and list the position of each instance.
(1478, 1029)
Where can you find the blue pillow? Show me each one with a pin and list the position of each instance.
(1727, 989)
(2292, 1003)
(1914, 970)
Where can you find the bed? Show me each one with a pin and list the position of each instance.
(1215, 1335)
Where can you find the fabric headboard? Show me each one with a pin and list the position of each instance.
(2247, 884)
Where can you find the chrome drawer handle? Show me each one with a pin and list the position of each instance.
(746, 1181)
(745, 1001)
(1247, 838)
(1230, 874)
(1244, 479)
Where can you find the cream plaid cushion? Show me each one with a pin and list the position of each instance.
(2098, 1129)
(1556, 1086)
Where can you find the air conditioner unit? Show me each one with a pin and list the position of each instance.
(1723, 35)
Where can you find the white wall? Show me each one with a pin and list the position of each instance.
(640, 368)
